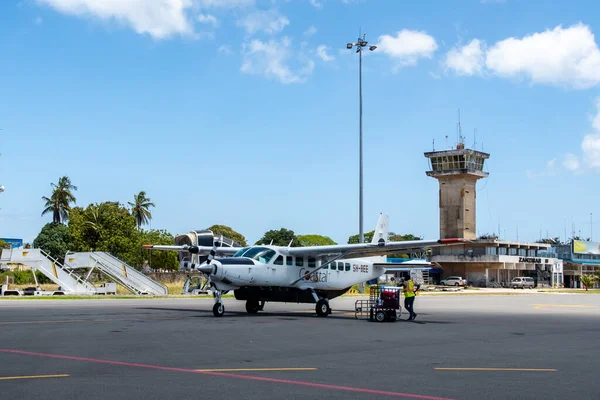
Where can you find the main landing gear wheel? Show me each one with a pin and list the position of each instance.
(252, 306)
(218, 309)
(323, 308)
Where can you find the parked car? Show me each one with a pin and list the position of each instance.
(453, 281)
(522, 282)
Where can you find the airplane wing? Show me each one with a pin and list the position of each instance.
(202, 250)
(371, 249)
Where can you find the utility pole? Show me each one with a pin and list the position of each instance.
(360, 44)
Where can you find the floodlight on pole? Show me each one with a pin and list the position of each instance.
(360, 44)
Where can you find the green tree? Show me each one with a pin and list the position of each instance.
(54, 239)
(4, 245)
(59, 203)
(140, 209)
(368, 236)
(314, 240)
(587, 280)
(555, 240)
(160, 259)
(402, 238)
(107, 227)
(229, 233)
(281, 237)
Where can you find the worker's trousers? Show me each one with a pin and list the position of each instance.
(409, 305)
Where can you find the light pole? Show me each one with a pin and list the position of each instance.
(360, 45)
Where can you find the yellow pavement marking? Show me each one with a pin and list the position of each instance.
(6, 378)
(498, 369)
(549, 306)
(254, 369)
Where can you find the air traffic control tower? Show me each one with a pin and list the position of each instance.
(457, 171)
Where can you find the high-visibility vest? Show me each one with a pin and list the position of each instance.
(409, 289)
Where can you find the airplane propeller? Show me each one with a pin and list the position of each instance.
(209, 268)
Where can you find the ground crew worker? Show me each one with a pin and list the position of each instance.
(409, 297)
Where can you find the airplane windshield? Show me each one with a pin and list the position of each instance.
(240, 252)
(261, 254)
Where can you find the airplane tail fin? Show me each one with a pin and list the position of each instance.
(381, 231)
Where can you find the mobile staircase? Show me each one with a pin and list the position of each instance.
(130, 278)
(68, 281)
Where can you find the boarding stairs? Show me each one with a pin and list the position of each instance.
(130, 278)
(426, 278)
(39, 260)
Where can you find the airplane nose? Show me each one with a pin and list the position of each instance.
(206, 269)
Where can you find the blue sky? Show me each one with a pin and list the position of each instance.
(245, 112)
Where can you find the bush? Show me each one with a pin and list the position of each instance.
(23, 277)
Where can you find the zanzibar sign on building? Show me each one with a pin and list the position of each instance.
(530, 260)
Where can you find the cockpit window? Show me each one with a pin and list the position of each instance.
(240, 252)
(262, 254)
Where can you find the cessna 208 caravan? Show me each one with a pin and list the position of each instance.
(263, 273)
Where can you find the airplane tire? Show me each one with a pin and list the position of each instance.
(218, 309)
(322, 308)
(252, 306)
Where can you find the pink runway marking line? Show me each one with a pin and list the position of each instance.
(228, 375)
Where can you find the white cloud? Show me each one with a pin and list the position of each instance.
(315, 3)
(468, 59)
(310, 31)
(207, 19)
(571, 162)
(590, 146)
(591, 142)
(322, 52)
(269, 21)
(273, 59)
(158, 18)
(591, 150)
(407, 46)
(225, 49)
(561, 56)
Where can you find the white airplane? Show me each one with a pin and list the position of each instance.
(315, 274)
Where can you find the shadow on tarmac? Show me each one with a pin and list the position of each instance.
(286, 316)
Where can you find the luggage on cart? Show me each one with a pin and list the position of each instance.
(383, 304)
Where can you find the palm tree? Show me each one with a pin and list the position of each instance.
(59, 203)
(140, 208)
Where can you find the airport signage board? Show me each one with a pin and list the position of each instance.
(581, 247)
(14, 243)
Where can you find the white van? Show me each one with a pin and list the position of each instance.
(522, 282)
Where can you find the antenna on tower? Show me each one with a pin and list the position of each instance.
(433, 144)
(474, 138)
(461, 141)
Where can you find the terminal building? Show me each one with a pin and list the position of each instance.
(485, 262)
(579, 258)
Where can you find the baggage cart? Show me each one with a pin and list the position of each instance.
(383, 304)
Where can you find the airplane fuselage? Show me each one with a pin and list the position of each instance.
(290, 279)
